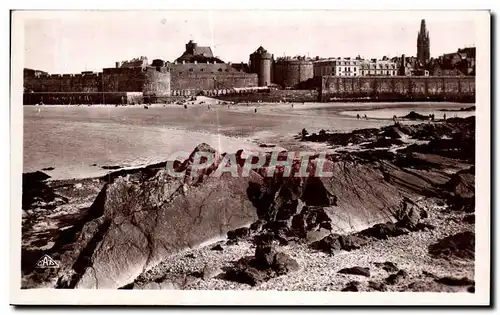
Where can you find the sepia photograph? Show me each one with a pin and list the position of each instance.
(173, 157)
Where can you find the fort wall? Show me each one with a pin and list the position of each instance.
(82, 98)
(195, 82)
(89, 82)
(398, 88)
(274, 96)
(290, 73)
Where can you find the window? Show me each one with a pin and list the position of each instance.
(220, 70)
(191, 70)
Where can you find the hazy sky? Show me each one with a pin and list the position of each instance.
(72, 42)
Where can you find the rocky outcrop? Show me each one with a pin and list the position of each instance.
(266, 264)
(460, 245)
(143, 215)
(145, 220)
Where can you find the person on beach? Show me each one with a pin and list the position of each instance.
(366, 117)
(304, 133)
(185, 106)
(292, 105)
(444, 116)
(357, 116)
(208, 107)
(255, 110)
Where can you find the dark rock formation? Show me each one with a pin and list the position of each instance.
(416, 116)
(329, 244)
(455, 281)
(240, 233)
(351, 287)
(461, 245)
(470, 218)
(395, 278)
(266, 264)
(377, 286)
(145, 220)
(217, 247)
(361, 271)
(388, 266)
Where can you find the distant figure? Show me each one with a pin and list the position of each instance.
(444, 116)
(228, 106)
(366, 117)
(255, 110)
(357, 116)
(292, 105)
(185, 106)
(432, 117)
(304, 132)
(208, 107)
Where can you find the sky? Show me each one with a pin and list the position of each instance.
(71, 42)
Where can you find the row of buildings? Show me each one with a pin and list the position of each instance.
(198, 71)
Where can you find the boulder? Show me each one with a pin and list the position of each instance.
(351, 242)
(388, 266)
(452, 281)
(351, 287)
(264, 256)
(143, 221)
(314, 236)
(460, 245)
(360, 271)
(328, 244)
(395, 278)
(240, 233)
(377, 286)
(284, 264)
(217, 247)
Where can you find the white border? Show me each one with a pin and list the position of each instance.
(137, 297)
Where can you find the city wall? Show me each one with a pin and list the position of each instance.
(90, 82)
(83, 98)
(290, 74)
(274, 96)
(193, 83)
(93, 88)
(460, 89)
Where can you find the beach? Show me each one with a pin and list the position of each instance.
(77, 141)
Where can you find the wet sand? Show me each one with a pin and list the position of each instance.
(78, 140)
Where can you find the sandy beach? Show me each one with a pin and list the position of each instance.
(90, 137)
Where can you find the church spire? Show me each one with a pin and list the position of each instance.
(423, 44)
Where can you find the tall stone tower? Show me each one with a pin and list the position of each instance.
(423, 44)
(261, 63)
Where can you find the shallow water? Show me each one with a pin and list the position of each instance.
(77, 141)
(388, 113)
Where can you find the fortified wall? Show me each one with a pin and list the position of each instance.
(292, 72)
(193, 78)
(461, 89)
(112, 86)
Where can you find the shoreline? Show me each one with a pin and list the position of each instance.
(71, 206)
(255, 139)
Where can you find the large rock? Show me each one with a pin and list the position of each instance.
(144, 221)
(460, 245)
